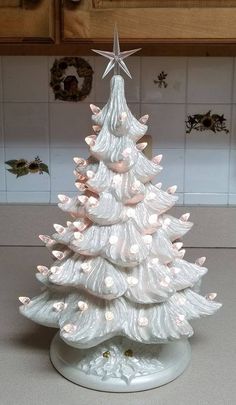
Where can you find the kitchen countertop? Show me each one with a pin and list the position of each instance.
(27, 376)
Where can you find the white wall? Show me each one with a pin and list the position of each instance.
(202, 164)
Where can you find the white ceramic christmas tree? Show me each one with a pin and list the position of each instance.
(120, 291)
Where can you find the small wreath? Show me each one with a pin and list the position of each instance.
(66, 87)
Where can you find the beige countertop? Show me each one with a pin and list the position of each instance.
(27, 376)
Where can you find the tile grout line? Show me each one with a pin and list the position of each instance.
(231, 129)
(3, 129)
(49, 131)
(185, 135)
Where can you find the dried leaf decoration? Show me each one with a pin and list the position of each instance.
(208, 121)
(22, 167)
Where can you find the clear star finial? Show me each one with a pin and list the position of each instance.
(116, 57)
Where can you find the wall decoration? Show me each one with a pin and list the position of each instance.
(206, 122)
(22, 167)
(161, 79)
(67, 86)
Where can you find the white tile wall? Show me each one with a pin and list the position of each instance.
(70, 124)
(25, 78)
(210, 80)
(233, 134)
(32, 123)
(26, 124)
(3, 197)
(176, 80)
(232, 176)
(62, 166)
(206, 171)
(166, 124)
(173, 168)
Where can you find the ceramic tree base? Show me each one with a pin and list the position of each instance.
(121, 365)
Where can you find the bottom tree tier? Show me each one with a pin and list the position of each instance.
(85, 320)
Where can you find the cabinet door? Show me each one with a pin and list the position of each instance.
(26, 21)
(150, 21)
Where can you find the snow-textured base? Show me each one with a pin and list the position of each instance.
(120, 365)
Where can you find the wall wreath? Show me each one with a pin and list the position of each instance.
(66, 86)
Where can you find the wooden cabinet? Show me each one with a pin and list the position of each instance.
(26, 21)
(150, 21)
(159, 27)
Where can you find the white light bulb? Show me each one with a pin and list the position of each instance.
(172, 189)
(157, 159)
(136, 185)
(147, 239)
(83, 306)
(143, 321)
(63, 198)
(165, 282)
(201, 260)
(59, 306)
(24, 300)
(109, 315)
(134, 249)
(43, 270)
(82, 199)
(185, 217)
(181, 253)
(80, 161)
(130, 212)
(113, 239)
(117, 179)
(59, 255)
(80, 186)
(132, 281)
(95, 109)
(166, 223)
(90, 140)
(80, 225)
(178, 245)
(153, 219)
(144, 119)
(211, 296)
(180, 319)
(96, 128)
(90, 174)
(81, 177)
(59, 228)
(141, 146)
(55, 269)
(69, 328)
(109, 281)
(93, 201)
(123, 117)
(46, 239)
(78, 236)
(86, 267)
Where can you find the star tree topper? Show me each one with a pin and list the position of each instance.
(116, 57)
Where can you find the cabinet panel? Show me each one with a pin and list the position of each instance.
(26, 21)
(150, 21)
